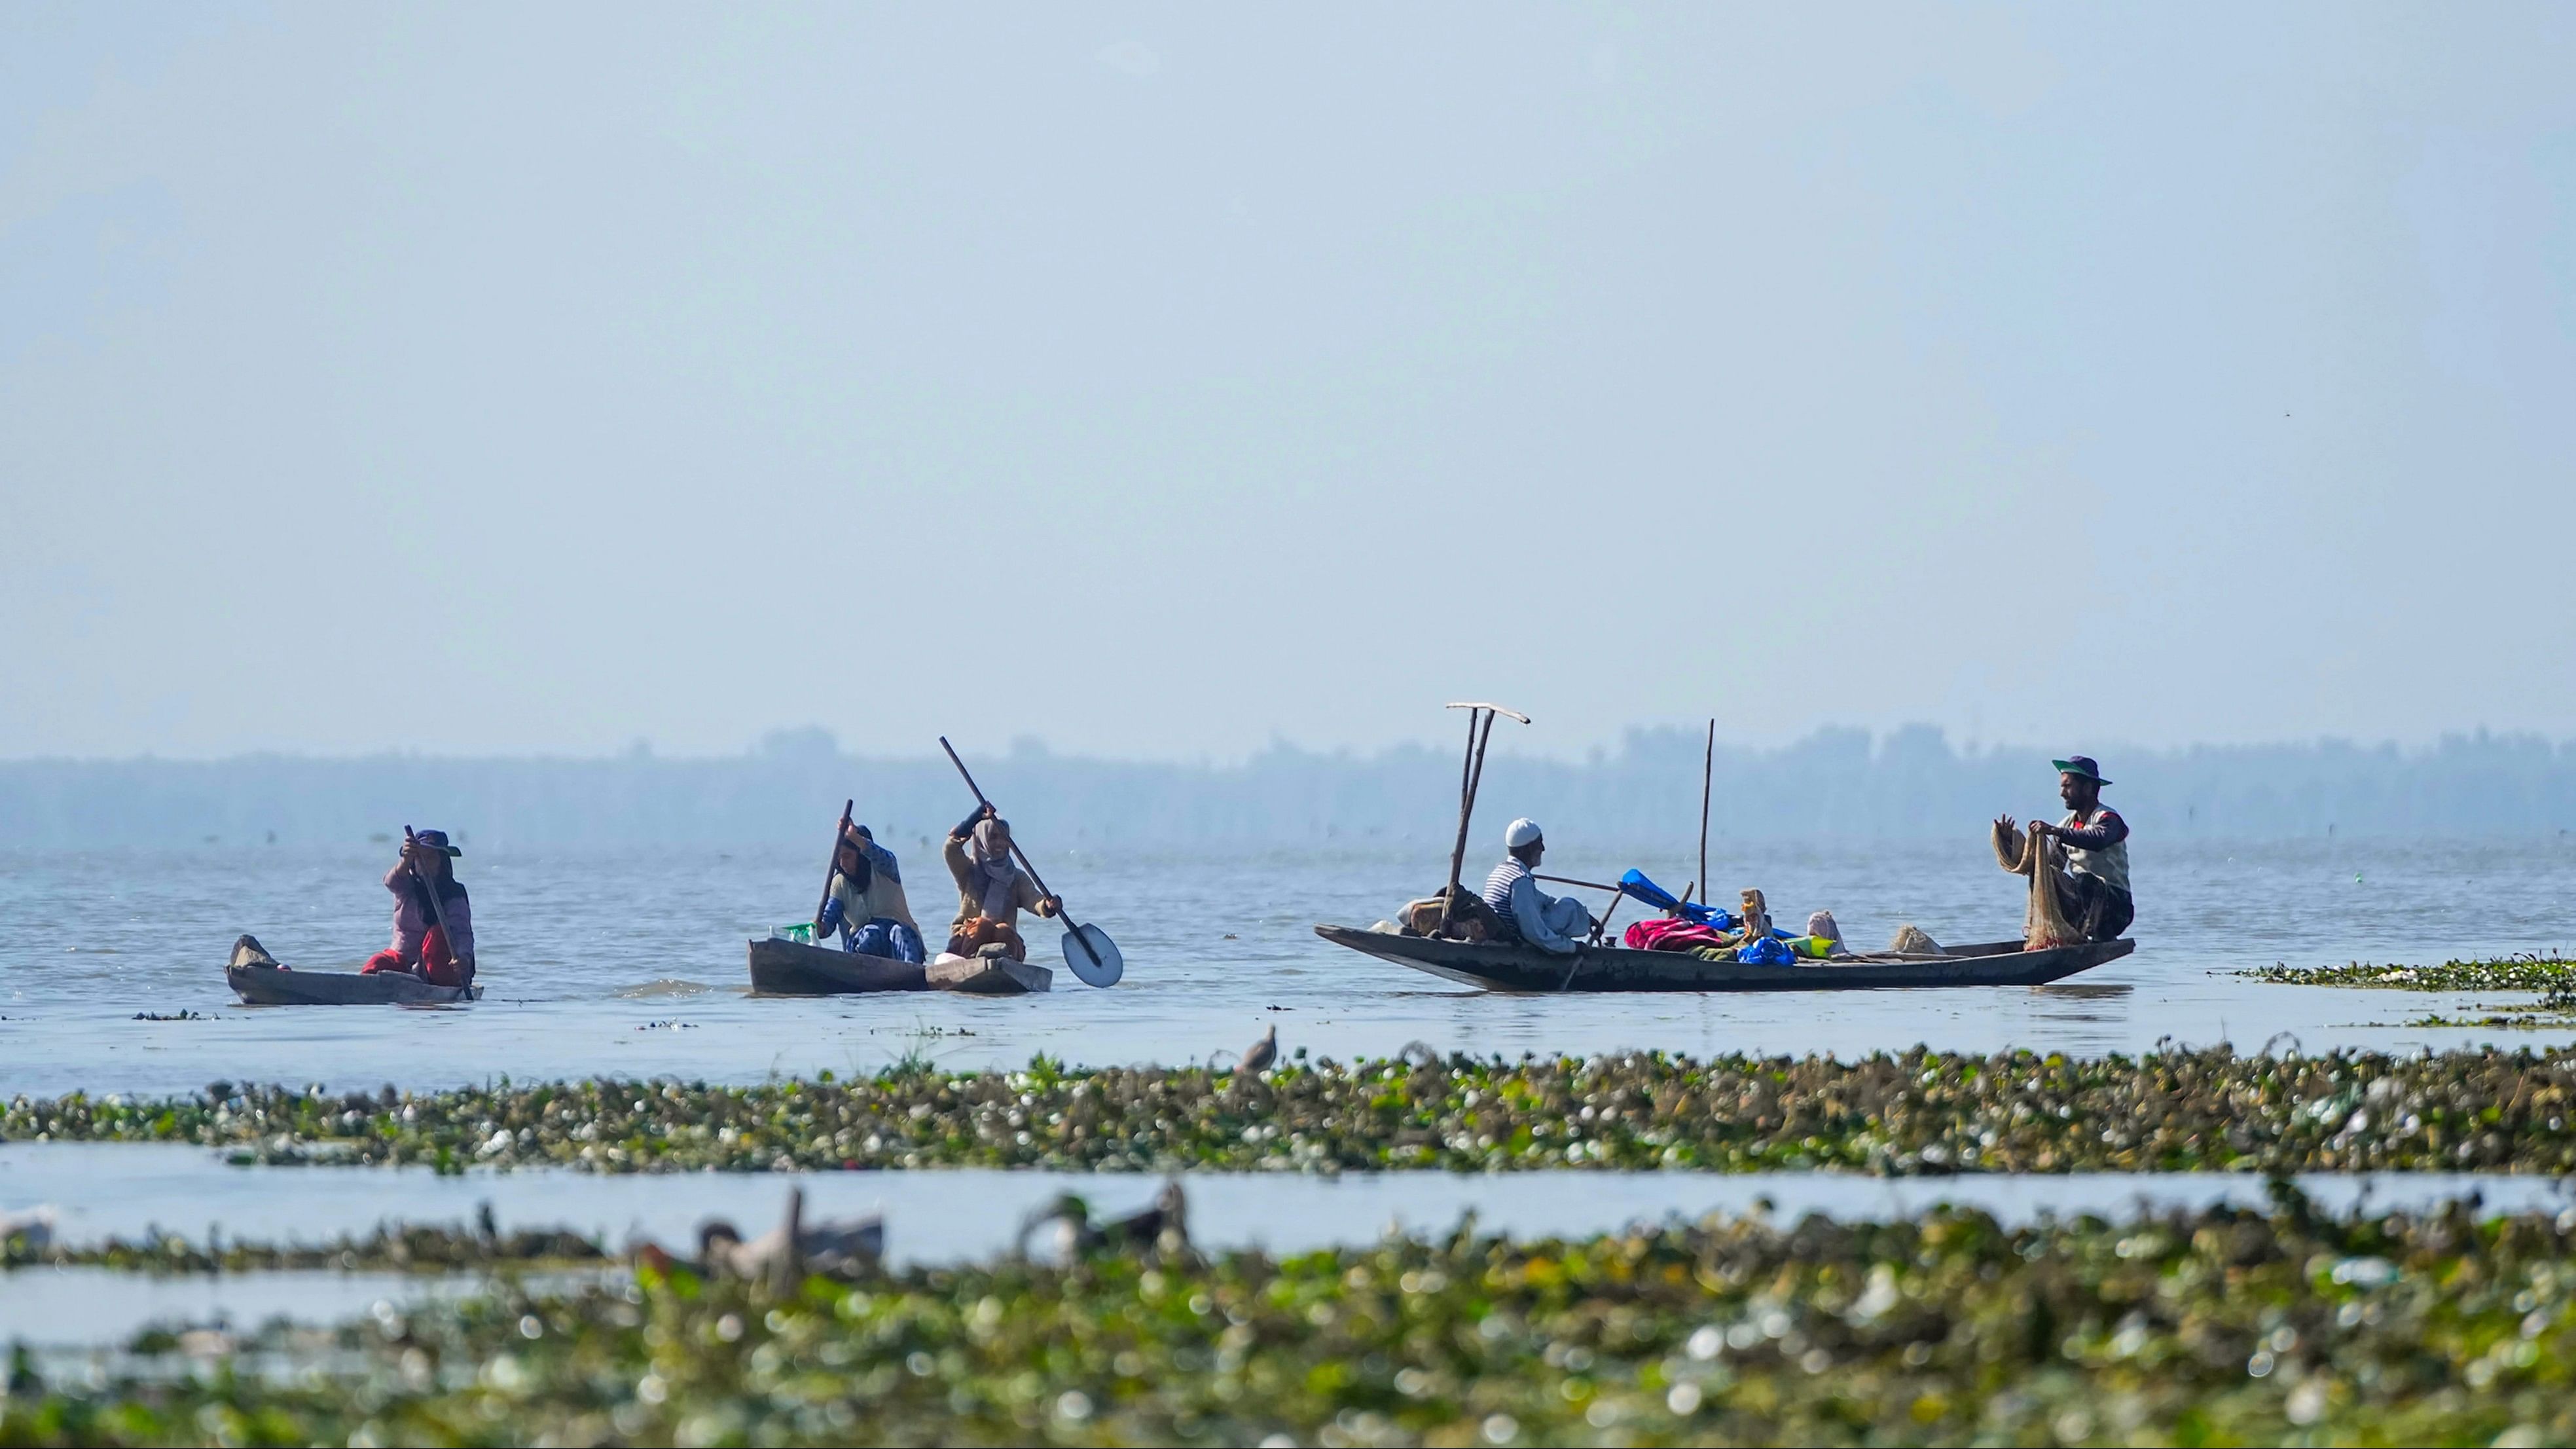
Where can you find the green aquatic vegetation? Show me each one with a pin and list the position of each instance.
(2222, 1326)
(420, 1249)
(1906, 1113)
(2555, 1010)
(2552, 976)
(2512, 973)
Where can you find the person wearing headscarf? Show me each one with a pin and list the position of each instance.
(992, 890)
(1552, 923)
(443, 957)
(866, 904)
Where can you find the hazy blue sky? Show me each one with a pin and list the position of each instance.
(537, 378)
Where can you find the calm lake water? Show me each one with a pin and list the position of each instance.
(632, 963)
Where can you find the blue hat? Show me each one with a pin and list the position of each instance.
(437, 840)
(2080, 765)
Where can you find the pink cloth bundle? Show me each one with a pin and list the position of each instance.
(1665, 934)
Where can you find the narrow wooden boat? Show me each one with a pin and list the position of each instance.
(1513, 967)
(988, 975)
(257, 978)
(781, 967)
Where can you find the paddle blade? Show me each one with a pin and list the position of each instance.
(1635, 885)
(1091, 955)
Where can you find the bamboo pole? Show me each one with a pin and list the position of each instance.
(1707, 771)
(1472, 777)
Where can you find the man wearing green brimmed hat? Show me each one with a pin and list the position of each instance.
(2095, 887)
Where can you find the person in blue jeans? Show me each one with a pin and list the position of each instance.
(866, 906)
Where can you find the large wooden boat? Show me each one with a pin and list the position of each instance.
(1513, 967)
(781, 967)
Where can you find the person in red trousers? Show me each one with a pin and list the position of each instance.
(421, 948)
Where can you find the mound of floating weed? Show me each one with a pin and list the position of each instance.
(400, 1249)
(1915, 1112)
(2220, 1326)
(2512, 973)
(2551, 976)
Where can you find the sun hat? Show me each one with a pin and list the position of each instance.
(2080, 765)
(437, 840)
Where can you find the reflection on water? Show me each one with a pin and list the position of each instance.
(579, 949)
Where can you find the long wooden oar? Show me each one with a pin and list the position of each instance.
(437, 909)
(1088, 951)
(832, 867)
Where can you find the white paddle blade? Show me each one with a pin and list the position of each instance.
(1091, 955)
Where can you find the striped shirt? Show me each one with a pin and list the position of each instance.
(1498, 889)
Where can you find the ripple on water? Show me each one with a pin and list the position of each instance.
(663, 986)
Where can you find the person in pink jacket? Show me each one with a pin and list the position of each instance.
(421, 948)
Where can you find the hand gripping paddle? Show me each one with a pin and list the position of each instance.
(1088, 951)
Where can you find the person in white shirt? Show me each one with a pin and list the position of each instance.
(1556, 924)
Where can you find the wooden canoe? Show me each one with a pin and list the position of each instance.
(1514, 967)
(988, 975)
(781, 967)
(264, 985)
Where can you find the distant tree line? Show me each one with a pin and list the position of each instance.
(1836, 783)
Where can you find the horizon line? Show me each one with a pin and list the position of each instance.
(817, 743)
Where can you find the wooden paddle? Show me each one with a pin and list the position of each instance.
(1111, 963)
(437, 910)
(832, 868)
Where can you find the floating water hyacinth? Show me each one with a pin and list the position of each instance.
(2222, 1326)
(2553, 977)
(1894, 1114)
(422, 1249)
(2512, 973)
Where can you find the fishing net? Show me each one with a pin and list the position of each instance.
(2044, 925)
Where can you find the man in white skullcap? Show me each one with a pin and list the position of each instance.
(1551, 923)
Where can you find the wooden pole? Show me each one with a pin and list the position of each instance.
(1707, 771)
(832, 867)
(1471, 778)
(1467, 811)
(1590, 885)
(1466, 808)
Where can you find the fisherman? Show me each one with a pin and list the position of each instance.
(866, 904)
(443, 957)
(1552, 923)
(991, 889)
(2095, 885)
